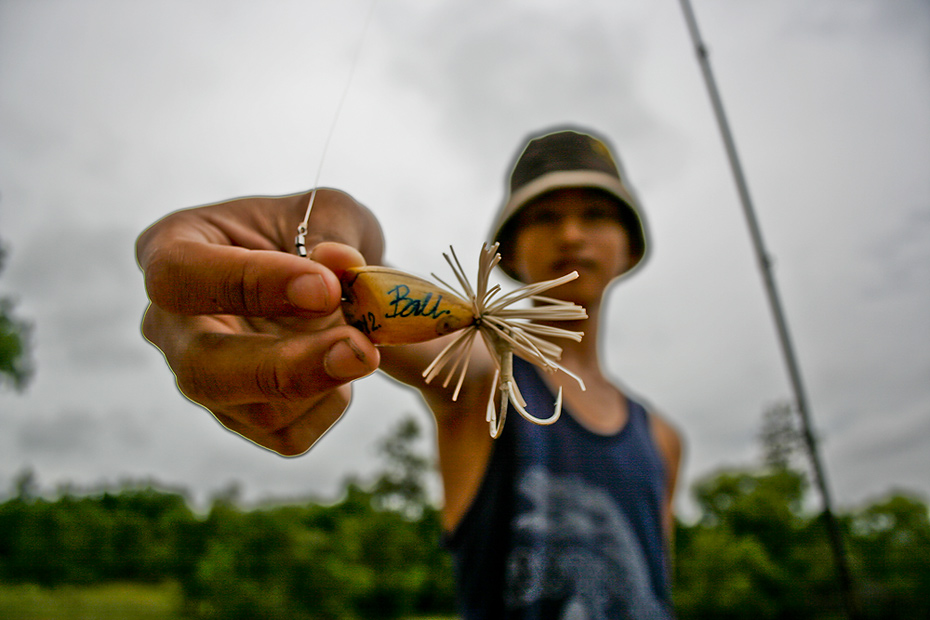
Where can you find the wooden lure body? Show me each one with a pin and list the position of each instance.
(393, 307)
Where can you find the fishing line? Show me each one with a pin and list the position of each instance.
(300, 240)
(369, 306)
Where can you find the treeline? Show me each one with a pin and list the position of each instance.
(376, 553)
(348, 560)
(754, 552)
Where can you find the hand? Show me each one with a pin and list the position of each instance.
(252, 331)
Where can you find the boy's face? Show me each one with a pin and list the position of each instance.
(567, 230)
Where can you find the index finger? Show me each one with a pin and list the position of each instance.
(190, 277)
(229, 258)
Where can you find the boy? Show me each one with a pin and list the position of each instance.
(571, 520)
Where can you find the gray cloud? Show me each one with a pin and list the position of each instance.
(114, 114)
(902, 255)
(68, 433)
(74, 281)
(527, 67)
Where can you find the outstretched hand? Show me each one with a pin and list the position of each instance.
(253, 332)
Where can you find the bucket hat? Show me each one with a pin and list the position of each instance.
(567, 158)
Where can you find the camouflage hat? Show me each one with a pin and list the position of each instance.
(562, 159)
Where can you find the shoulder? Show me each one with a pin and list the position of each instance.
(668, 439)
(671, 446)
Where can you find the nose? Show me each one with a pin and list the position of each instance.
(571, 230)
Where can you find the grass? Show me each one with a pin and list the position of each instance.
(121, 601)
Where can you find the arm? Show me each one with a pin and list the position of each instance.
(252, 331)
(264, 347)
(461, 429)
(669, 442)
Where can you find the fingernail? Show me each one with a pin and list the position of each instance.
(308, 291)
(344, 360)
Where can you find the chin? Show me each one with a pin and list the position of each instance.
(576, 291)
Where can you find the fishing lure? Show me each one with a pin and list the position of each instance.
(393, 307)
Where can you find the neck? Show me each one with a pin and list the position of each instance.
(600, 407)
(582, 356)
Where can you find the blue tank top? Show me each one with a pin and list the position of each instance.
(567, 523)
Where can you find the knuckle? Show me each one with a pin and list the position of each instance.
(161, 274)
(150, 329)
(193, 371)
(269, 420)
(297, 438)
(192, 382)
(271, 380)
(287, 446)
(286, 374)
(252, 291)
(240, 290)
(226, 294)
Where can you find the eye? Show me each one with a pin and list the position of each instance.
(599, 213)
(544, 216)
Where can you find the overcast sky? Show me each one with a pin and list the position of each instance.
(114, 113)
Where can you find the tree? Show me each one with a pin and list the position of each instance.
(402, 486)
(780, 436)
(755, 553)
(375, 554)
(138, 534)
(890, 542)
(15, 363)
(738, 561)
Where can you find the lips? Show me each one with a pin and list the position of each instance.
(567, 265)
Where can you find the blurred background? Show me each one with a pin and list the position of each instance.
(114, 113)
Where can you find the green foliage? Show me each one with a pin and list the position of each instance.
(15, 364)
(754, 552)
(375, 554)
(141, 535)
(352, 559)
(765, 506)
(739, 560)
(891, 545)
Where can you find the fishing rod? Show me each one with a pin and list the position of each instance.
(794, 372)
